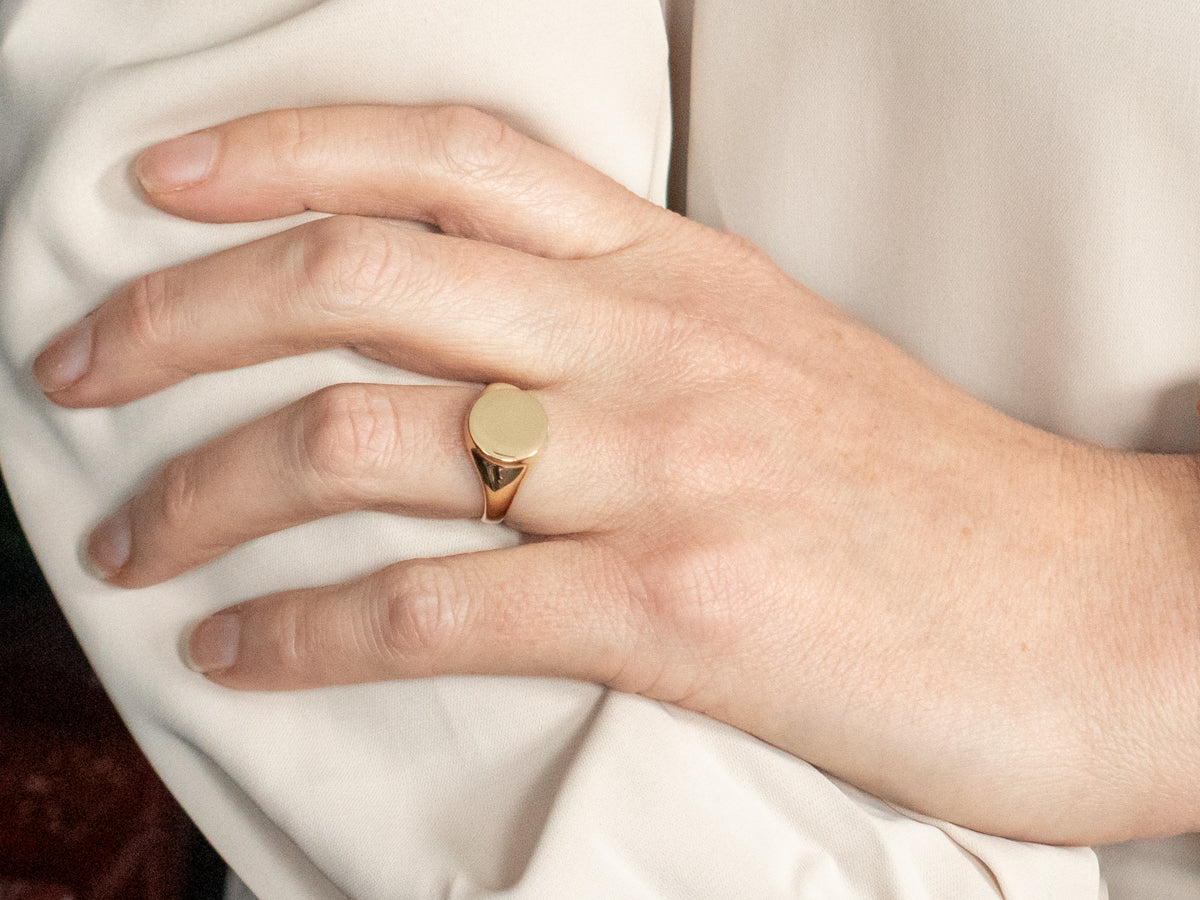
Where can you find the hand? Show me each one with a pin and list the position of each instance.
(750, 505)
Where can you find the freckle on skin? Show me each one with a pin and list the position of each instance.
(966, 532)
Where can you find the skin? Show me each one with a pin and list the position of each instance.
(750, 505)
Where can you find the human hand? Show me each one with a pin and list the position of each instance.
(750, 505)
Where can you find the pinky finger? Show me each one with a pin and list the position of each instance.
(557, 608)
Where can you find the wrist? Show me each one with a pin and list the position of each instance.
(1140, 621)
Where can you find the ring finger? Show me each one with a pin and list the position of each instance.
(392, 448)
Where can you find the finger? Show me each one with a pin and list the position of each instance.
(461, 170)
(431, 303)
(559, 608)
(352, 446)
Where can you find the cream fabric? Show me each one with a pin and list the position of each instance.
(1008, 189)
(967, 179)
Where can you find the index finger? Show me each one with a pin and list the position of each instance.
(456, 168)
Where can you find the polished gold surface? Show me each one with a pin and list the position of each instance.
(505, 429)
(507, 424)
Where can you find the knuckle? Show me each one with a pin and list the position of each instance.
(696, 451)
(297, 138)
(347, 438)
(743, 252)
(150, 319)
(744, 264)
(180, 493)
(288, 628)
(471, 143)
(300, 636)
(691, 595)
(350, 265)
(425, 610)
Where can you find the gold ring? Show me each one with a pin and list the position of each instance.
(505, 430)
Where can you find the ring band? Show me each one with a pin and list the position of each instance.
(505, 430)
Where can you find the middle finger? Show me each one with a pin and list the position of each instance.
(431, 303)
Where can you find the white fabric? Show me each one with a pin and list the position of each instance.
(1010, 190)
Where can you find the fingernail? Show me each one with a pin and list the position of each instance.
(109, 546)
(177, 163)
(213, 644)
(67, 358)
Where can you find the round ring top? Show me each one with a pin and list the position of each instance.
(507, 424)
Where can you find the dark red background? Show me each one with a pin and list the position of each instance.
(82, 814)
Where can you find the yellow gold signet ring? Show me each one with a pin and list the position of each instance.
(505, 430)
